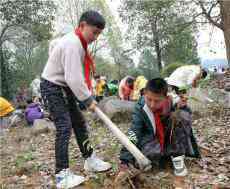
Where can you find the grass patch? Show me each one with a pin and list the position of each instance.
(114, 167)
(72, 162)
(23, 158)
(98, 181)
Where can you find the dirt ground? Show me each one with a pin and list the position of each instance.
(27, 160)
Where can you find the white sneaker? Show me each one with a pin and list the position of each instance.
(66, 179)
(179, 166)
(94, 164)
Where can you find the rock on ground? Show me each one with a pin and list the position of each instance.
(42, 126)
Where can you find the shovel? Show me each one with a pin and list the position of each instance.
(144, 163)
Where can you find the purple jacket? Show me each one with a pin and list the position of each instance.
(33, 111)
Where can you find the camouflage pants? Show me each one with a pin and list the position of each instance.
(67, 116)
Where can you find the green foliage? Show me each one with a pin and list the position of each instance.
(135, 71)
(160, 27)
(115, 167)
(7, 76)
(27, 14)
(22, 158)
(112, 31)
(106, 68)
(181, 47)
(24, 25)
(41, 31)
(170, 68)
(21, 69)
(148, 22)
(148, 65)
(113, 39)
(115, 71)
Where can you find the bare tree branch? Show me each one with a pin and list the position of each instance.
(208, 16)
(212, 6)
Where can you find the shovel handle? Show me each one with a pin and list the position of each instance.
(144, 163)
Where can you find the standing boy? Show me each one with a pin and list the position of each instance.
(66, 76)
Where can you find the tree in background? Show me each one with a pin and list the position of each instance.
(146, 65)
(217, 12)
(113, 38)
(167, 70)
(19, 20)
(30, 60)
(69, 11)
(106, 68)
(154, 25)
(181, 46)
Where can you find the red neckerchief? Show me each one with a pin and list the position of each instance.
(159, 130)
(164, 110)
(88, 62)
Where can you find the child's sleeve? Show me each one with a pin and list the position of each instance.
(74, 76)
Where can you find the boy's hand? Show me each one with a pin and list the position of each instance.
(93, 106)
(123, 174)
(126, 173)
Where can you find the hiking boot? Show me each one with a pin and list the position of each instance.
(94, 164)
(66, 179)
(179, 166)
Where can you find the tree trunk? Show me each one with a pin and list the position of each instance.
(158, 51)
(156, 41)
(4, 90)
(2, 71)
(225, 17)
(227, 44)
(4, 83)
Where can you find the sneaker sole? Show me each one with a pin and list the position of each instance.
(98, 171)
(71, 186)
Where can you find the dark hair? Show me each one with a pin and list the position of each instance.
(142, 92)
(178, 91)
(93, 18)
(29, 101)
(157, 85)
(97, 77)
(204, 73)
(130, 81)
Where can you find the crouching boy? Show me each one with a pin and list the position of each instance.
(160, 130)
